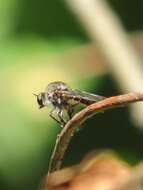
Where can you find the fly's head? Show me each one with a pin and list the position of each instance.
(42, 99)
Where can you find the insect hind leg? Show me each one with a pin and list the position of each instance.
(70, 112)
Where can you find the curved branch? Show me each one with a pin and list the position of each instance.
(63, 139)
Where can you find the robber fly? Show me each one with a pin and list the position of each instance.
(64, 99)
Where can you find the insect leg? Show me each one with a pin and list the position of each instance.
(60, 115)
(70, 112)
(53, 117)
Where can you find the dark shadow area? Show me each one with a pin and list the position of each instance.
(110, 130)
(54, 19)
(48, 19)
(130, 12)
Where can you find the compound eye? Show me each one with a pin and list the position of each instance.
(40, 101)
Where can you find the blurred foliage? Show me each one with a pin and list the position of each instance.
(48, 18)
(130, 12)
(33, 37)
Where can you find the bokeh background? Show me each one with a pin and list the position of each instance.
(40, 42)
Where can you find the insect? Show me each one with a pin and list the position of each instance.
(64, 99)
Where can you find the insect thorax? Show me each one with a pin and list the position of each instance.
(53, 86)
(53, 94)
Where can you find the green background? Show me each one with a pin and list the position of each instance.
(33, 37)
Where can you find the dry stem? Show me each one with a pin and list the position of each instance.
(63, 139)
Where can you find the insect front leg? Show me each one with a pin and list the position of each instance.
(61, 117)
(59, 113)
(53, 117)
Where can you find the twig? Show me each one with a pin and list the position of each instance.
(74, 124)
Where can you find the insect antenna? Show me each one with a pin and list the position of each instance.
(35, 95)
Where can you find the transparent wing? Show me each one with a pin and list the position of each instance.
(89, 96)
(82, 96)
